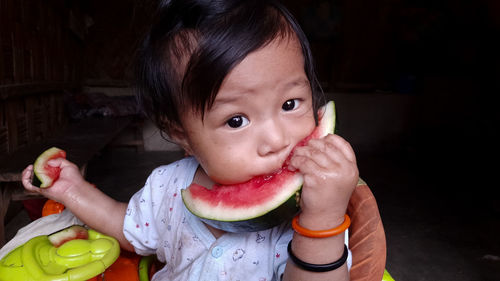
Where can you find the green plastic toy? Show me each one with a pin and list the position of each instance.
(387, 276)
(75, 260)
(145, 266)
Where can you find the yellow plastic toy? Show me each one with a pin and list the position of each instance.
(75, 260)
(387, 276)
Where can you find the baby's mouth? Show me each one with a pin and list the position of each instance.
(285, 163)
(283, 166)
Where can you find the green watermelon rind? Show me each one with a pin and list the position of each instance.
(265, 218)
(40, 179)
(328, 127)
(284, 212)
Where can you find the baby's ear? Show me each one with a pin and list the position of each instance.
(178, 135)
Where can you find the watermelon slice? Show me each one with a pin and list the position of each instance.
(44, 174)
(260, 203)
(70, 233)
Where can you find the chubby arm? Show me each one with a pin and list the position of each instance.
(86, 202)
(330, 176)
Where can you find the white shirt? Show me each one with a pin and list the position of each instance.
(157, 222)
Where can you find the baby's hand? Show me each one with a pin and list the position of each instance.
(330, 176)
(69, 179)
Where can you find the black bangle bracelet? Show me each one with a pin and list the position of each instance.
(317, 267)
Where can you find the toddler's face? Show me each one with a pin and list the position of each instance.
(262, 110)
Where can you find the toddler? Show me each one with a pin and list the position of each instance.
(231, 82)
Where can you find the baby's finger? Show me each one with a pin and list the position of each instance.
(339, 144)
(307, 166)
(27, 170)
(27, 178)
(57, 162)
(61, 163)
(319, 156)
(27, 173)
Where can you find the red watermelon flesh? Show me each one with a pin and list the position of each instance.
(260, 203)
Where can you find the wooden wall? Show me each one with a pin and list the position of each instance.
(40, 58)
(117, 29)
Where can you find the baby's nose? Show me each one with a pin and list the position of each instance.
(273, 138)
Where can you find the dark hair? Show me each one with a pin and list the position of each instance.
(194, 44)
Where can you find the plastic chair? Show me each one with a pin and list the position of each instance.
(366, 236)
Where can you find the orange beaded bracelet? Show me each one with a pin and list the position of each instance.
(320, 233)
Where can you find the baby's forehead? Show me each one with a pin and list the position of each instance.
(258, 62)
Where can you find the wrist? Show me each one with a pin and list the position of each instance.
(74, 193)
(319, 250)
(321, 222)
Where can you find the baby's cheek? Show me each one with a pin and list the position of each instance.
(228, 170)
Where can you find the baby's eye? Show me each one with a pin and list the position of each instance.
(237, 121)
(290, 105)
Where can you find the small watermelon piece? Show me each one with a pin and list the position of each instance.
(70, 233)
(44, 174)
(260, 203)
